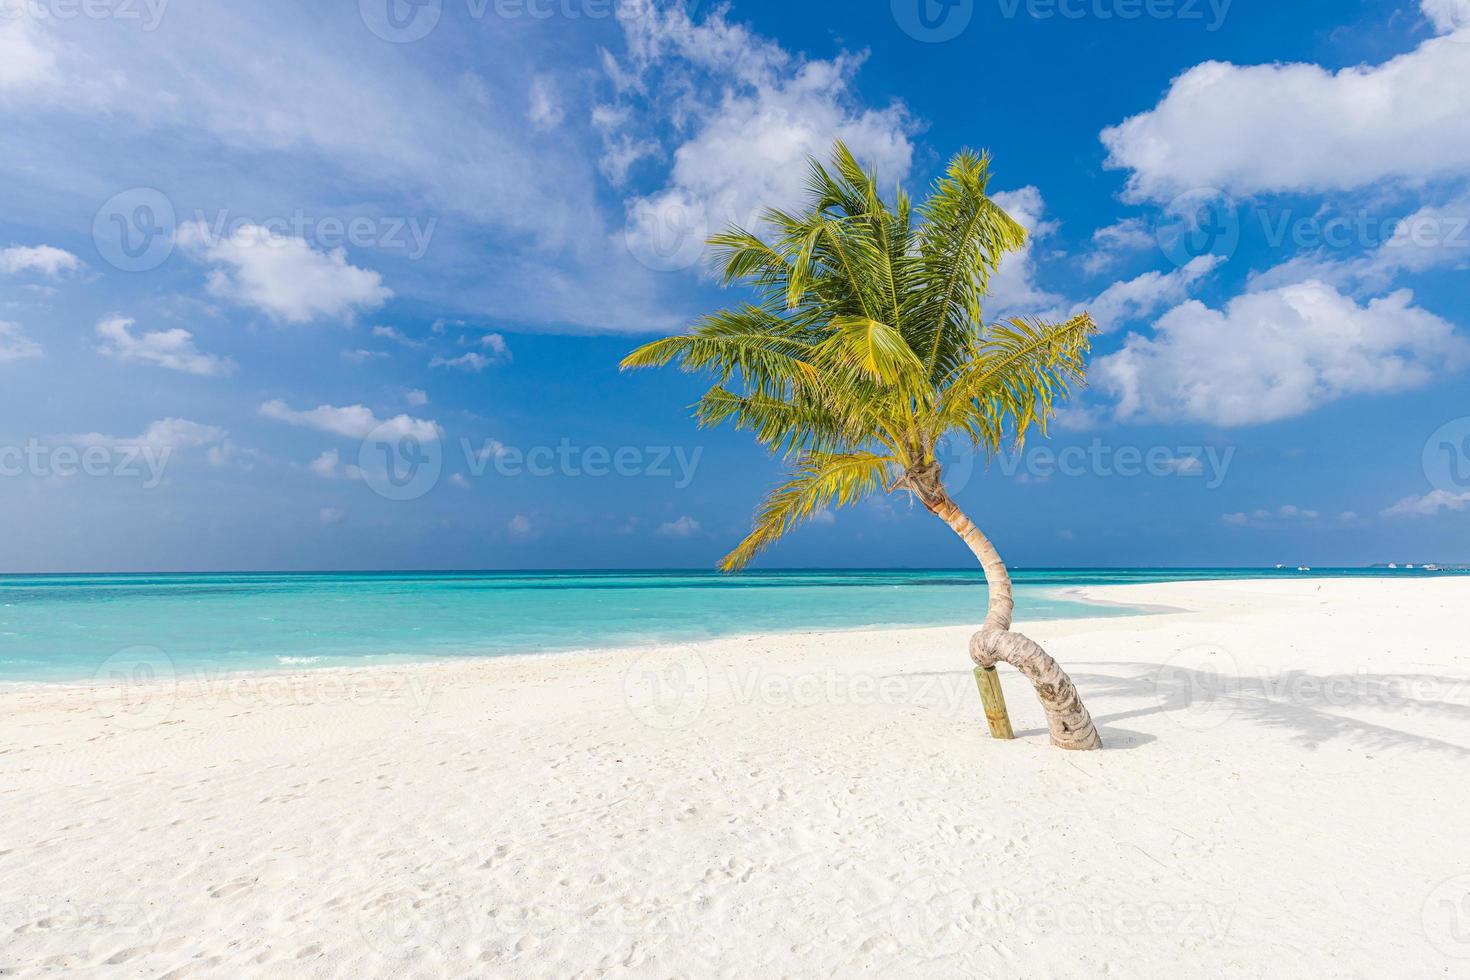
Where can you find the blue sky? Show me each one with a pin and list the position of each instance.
(244, 253)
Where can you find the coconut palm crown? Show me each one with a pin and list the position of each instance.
(864, 349)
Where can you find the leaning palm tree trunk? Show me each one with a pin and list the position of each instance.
(1070, 724)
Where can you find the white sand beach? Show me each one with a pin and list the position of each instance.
(1286, 769)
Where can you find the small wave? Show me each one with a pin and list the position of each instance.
(289, 661)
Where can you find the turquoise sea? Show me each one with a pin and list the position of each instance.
(66, 627)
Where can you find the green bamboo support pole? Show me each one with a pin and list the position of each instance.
(994, 701)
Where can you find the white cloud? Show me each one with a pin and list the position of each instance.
(27, 59)
(282, 276)
(544, 111)
(471, 361)
(682, 527)
(1147, 294)
(1434, 236)
(458, 480)
(1429, 504)
(1276, 354)
(1299, 127)
(416, 397)
(1263, 517)
(14, 344)
(1117, 240)
(168, 434)
(1013, 288)
(496, 345)
(329, 515)
(361, 356)
(396, 335)
(1447, 16)
(753, 113)
(173, 349)
(352, 421)
(326, 464)
(329, 466)
(519, 526)
(48, 260)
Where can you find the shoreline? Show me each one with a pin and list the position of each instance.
(791, 803)
(1081, 595)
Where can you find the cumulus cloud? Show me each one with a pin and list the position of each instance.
(1435, 236)
(1115, 241)
(1013, 288)
(1429, 504)
(14, 344)
(416, 397)
(748, 113)
(173, 349)
(352, 421)
(1147, 294)
(47, 260)
(329, 466)
(682, 527)
(168, 434)
(282, 276)
(1276, 354)
(1300, 127)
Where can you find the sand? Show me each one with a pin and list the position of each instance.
(1282, 794)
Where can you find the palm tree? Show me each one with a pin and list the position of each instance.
(864, 349)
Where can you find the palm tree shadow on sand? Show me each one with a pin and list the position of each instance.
(1314, 708)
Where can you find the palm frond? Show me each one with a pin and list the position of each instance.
(821, 480)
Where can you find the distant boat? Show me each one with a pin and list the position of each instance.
(1392, 565)
(1409, 566)
(1431, 568)
(1304, 568)
(1280, 566)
